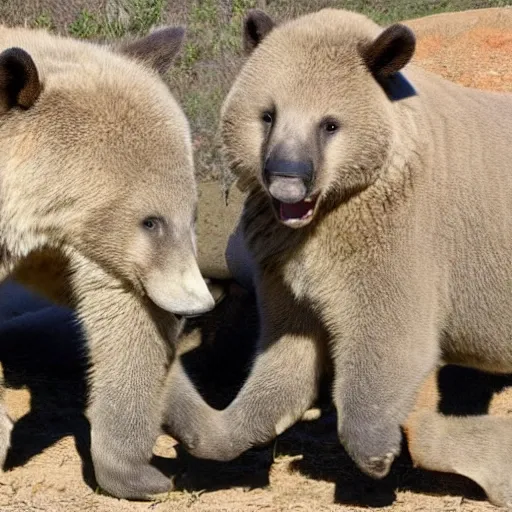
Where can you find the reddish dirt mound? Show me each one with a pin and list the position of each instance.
(308, 471)
(473, 48)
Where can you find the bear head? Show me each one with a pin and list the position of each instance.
(96, 156)
(310, 116)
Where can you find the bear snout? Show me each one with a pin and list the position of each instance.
(290, 179)
(181, 290)
(287, 190)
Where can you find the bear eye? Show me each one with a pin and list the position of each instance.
(267, 117)
(331, 126)
(151, 223)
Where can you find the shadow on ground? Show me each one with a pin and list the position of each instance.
(42, 349)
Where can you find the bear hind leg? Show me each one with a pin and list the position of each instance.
(477, 447)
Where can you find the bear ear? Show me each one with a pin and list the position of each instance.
(257, 24)
(158, 49)
(19, 80)
(391, 51)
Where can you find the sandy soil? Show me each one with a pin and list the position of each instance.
(49, 468)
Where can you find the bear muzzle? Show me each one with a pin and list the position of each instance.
(289, 183)
(180, 290)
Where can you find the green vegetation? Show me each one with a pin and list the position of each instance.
(384, 11)
(85, 26)
(44, 20)
(134, 17)
(143, 14)
(212, 51)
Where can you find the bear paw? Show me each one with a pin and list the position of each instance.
(143, 482)
(372, 449)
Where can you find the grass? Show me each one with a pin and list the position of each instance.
(85, 26)
(212, 51)
(384, 11)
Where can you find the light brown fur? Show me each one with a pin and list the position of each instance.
(98, 196)
(104, 109)
(405, 261)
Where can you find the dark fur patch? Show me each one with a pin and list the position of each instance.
(397, 87)
(157, 49)
(257, 25)
(391, 51)
(19, 80)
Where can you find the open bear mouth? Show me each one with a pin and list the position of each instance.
(296, 214)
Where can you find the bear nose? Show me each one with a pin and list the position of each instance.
(281, 168)
(288, 181)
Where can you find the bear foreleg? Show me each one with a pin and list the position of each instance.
(281, 387)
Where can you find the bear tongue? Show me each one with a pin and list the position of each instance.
(300, 210)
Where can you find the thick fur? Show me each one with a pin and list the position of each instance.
(478, 447)
(97, 211)
(404, 263)
(118, 118)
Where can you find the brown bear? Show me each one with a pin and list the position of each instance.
(97, 210)
(378, 220)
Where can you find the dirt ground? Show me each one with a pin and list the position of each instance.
(49, 469)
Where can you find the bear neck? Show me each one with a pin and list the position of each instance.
(20, 236)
